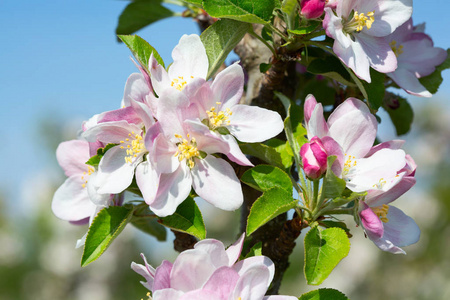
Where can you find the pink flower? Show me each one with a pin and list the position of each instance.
(210, 272)
(314, 156)
(312, 9)
(416, 57)
(358, 28)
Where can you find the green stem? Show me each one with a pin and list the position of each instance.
(277, 31)
(252, 33)
(314, 34)
(336, 211)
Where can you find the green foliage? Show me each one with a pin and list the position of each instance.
(289, 6)
(219, 39)
(330, 223)
(146, 221)
(401, 116)
(273, 156)
(141, 49)
(95, 160)
(284, 149)
(271, 204)
(375, 90)
(141, 13)
(331, 67)
(333, 186)
(265, 177)
(434, 80)
(187, 218)
(324, 294)
(197, 2)
(251, 11)
(324, 249)
(256, 250)
(106, 226)
(305, 29)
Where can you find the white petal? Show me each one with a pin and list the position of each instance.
(189, 58)
(215, 249)
(228, 85)
(147, 180)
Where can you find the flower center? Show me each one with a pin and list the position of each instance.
(187, 150)
(350, 162)
(380, 183)
(397, 50)
(359, 21)
(85, 174)
(134, 145)
(179, 82)
(381, 212)
(217, 119)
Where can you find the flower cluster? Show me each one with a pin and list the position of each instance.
(384, 172)
(170, 136)
(210, 272)
(379, 34)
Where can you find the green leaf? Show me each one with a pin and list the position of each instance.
(401, 116)
(251, 11)
(187, 218)
(146, 221)
(271, 204)
(266, 153)
(197, 2)
(324, 249)
(375, 90)
(330, 224)
(141, 49)
(332, 186)
(331, 67)
(141, 13)
(305, 30)
(256, 250)
(106, 226)
(289, 6)
(324, 294)
(95, 160)
(219, 39)
(434, 80)
(284, 149)
(265, 177)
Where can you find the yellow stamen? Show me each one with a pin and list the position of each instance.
(380, 183)
(179, 83)
(397, 49)
(359, 21)
(381, 212)
(88, 173)
(187, 150)
(135, 145)
(217, 119)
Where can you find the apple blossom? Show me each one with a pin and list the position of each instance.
(358, 28)
(416, 57)
(312, 9)
(314, 156)
(210, 272)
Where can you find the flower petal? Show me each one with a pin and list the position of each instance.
(315, 121)
(189, 58)
(234, 251)
(167, 294)
(243, 265)
(216, 251)
(222, 282)
(372, 224)
(72, 156)
(253, 284)
(228, 86)
(147, 180)
(162, 276)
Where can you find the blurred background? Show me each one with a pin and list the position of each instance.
(60, 63)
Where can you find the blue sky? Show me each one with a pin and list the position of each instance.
(61, 58)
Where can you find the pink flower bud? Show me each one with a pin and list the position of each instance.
(314, 158)
(312, 9)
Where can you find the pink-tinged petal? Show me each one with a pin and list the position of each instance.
(223, 282)
(253, 284)
(353, 127)
(170, 113)
(152, 133)
(189, 58)
(110, 132)
(234, 251)
(207, 141)
(71, 201)
(372, 224)
(314, 160)
(401, 229)
(377, 197)
(280, 297)
(354, 57)
(216, 182)
(203, 100)
(410, 167)
(163, 155)
(72, 156)
(136, 89)
(316, 126)
(202, 295)
(167, 294)
(159, 77)
(228, 86)
(235, 154)
(243, 265)
(334, 28)
(216, 251)
(146, 271)
(379, 52)
(388, 16)
(144, 112)
(333, 148)
(92, 189)
(375, 171)
(312, 9)
(344, 8)
(114, 173)
(147, 180)
(394, 145)
(162, 276)
(191, 270)
(193, 85)
(408, 81)
(309, 106)
(173, 189)
(254, 124)
(127, 114)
